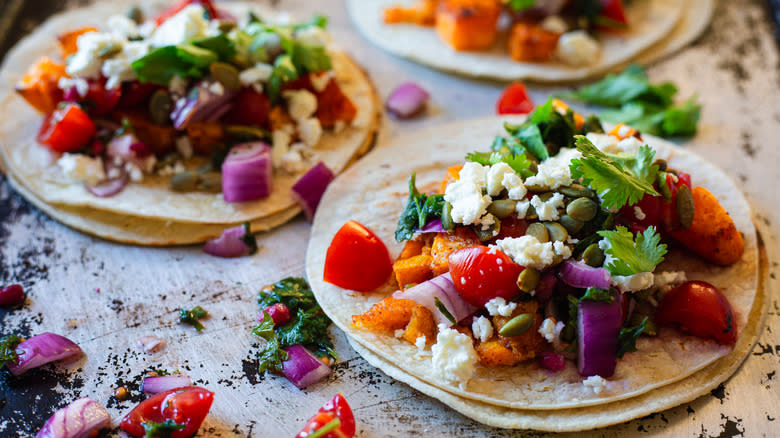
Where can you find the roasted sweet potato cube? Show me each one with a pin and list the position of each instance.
(68, 40)
(411, 248)
(205, 136)
(453, 174)
(530, 42)
(421, 324)
(468, 24)
(334, 106)
(530, 343)
(494, 353)
(413, 270)
(445, 244)
(39, 86)
(387, 315)
(422, 13)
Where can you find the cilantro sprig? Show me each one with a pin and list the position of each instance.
(519, 163)
(161, 430)
(8, 349)
(633, 255)
(193, 317)
(628, 336)
(420, 208)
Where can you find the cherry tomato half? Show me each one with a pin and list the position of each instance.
(701, 310)
(515, 100)
(188, 406)
(614, 11)
(337, 407)
(101, 100)
(249, 108)
(67, 129)
(357, 259)
(481, 274)
(135, 93)
(671, 220)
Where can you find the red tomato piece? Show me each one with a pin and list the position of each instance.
(613, 10)
(700, 309)
(102, 100)
(67, 129)
(173, 10)
(515, 100)
(188, 406)
(357, 259)
(669, 209)
(481, 274)
(249, 108)
(337, 407)
(136, 93)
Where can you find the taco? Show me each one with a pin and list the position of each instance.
(545, 41)
(141, 113)
(556, 308)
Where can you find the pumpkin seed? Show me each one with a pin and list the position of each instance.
(577, 191)
(661, 163)
(546, 196)
(528, 279)
(160, 106)
(685, 206)
(517, 325)
(491, 232)
(556, 231)
(593, 255)
(243, 132)
(446, 217)
(109, 50)
(225, 74)
(539, 231)
(572, 225)
(530, 213)
(205, 168)
(502, 208)
(185, 181)
(134, 13)
(583, 209)
(210, 182)
(536, 188)
(661, 180)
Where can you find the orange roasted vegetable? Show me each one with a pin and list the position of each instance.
(411, 248)
(562, 108)
(453, 173)
(623, 131)
(159, 138)
(494, 353)
(712, 234)
(205, 137)
(530, 42)
(39, 85)
(413, 270)
(421, 324)
(445, 244)
(68, 41)
(334, 106)
(422, 13)
(468, 24)
(387, 315)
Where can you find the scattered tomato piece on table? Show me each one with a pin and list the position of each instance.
(179, 411)
(333, 420)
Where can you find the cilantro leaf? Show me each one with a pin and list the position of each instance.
(518, 163)
(161, 430)
(542, 113)
(443, 309)
(419, 210)
(632, 257)
(284, 71)
(160, 65)
(628, 336)
(630, 85)
(641, 164)
(272, 356)
(219, 44)
(520, 5)
(596, 294)
(192, 317)
(8, 349)
(531, 137)
(615, 184)
(292, 292)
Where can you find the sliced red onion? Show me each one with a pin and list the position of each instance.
(308, 191)
(544, 290)
(407, 100)
(433, 226)
(303, 368)
(158, 384)
(230, 244)
(247, 172)
(206, 101)
(111, 186)
(441, 288)
(580, 274)
(42, 349)
(151, 344)
(278, 312)
(598, 327)
(79, 419)
(11, 295)
(552, 361)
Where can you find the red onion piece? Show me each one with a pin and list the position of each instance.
(303, 368)
(598, 326)
(278, 312)
(441, 287)
(579, 274)
(247, 172)
(76, 420)
(11, 295)
(42, 349)
(122, 146)
(308, 191)
(202, 103)
(544, 290)
(433, 226)
(552, 361)
(230, 244)
(407, 100)
(151, 344)
(158, 384)
(112, 186)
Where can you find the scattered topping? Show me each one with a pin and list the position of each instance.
(552, 361)
(308, 191)
(407, 100)
(233, 242)
(8, 349)
(193, 316)
(596, 383)
(441, 297)
(482, 328)
(158, 384)
(580, 275)
(247, 172)
(334, 419)
(598, 327)
(12, 295)
(499, 306)
(38, 350)
(80, 418)
(357, 259)
(420, 210)
(176, 413)
(278, 312)
(628, 254)
(121, 393)
(547, 330)
(151, 344)
(302, 367)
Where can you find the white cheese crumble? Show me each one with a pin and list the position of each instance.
(604, 142)
(280, 140)
(629, 145)
(420, 343)
(482, 328)
(123, 26)
(86, 62)
(320, 81)
(80, 84)
(499, 306)
(310, 131)
(119, 68)
(495, 177)
(550, 175)
(301, 104)
(596, 383)
(465, 195)
(639, 214)
(454, 358)
(633, 283)
(79, 167)
(512, 182)
(188, 24)
(548, 210)
(555, 24)
(547, 329)
(312, 36)
(577, 48)
(529, 252)
(292, 162)
(665, 281)
(522, 208)
(261, 72)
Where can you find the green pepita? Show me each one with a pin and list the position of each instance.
(577, 191)
(530, 213)
(685, 206)
(446, 217)
(539, 231)
(546, 196)
(502, 208)
(242, 132)
(160, 106)
(109, 50)
(185, 181)
(593, 255)
(661, 163)
(661, 180)
(491, 232)
(556, 231)
(583, 209)
(210, 182)
(517, 325)
(568, 333)
(536, 188)
(572, 225)
(225, 74)
(528, 279)
(134, 13)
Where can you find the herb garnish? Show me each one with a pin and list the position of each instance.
(161, 430)
(518, 163)
(443, 309)
(544, 133)
(632, 257)
(628, 336)
(192, 317)
(596, 294)
(8, 349)
(419, 210)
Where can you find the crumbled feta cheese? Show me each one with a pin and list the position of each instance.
(547, 329)
(487, 221)
(605, 245)
(597, 383)
(136, 174)
(522, 208)
(548, 210)
(482, 328)
(561, 249)
(499, 306)
(664, 281)
(79, 167)
(312, 36)
(321, 80)
(454, 358)
(632, 283)
(217, 88)
(514, 185)
(474, 172)
(551, 175)
(529, 252)
(188, 24)
(261, 72)
(146, 29)
(577, 48)
(280, 146)
(301, 104)
(639, 214)
(310, 131)
(629, 145)
(604, 142)
(554, 23)
(305, 151)
(420, 343)
(80, 84)
(86, 62)
(465, 195)
(184, 146)
(123, 26)
(495, 177)
(119, 68)
(292, 162)
(399, 333)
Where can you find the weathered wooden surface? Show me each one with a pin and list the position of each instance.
(105, 296)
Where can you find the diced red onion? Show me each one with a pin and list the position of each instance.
(308, 191)
(303, 368)
(79, 419)
(229, 244)
(71, 95)
(544, 290)
(111, 186)
(247, 172)
(11, 295)
(278, 312)
(151, 344)
(433, 226)
(121, 146)
(552, 361)
(202, 104)
(158, 384)
(42, 349)
(580, 274)
(541, 9)
(407, 100)
(598, 326)
(441, 287)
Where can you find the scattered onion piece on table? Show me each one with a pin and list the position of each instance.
(247, 172)
(158, 384)
(11, 295)
(151, 344)
(302, 367)
(82, 418)
(234, 242)
(308, 191)
(42, 349)
(581, 275)
(407, 100)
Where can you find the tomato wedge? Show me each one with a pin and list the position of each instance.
(700, 309)
(102, 100)
(481, 274)
(357, 259)
(515, 100)
(335, 408)
(67, 129)
(186, 406)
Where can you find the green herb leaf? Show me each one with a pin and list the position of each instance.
(444, 311)
(518, 163)
(284, 71)
(542, 113)
(8, 349)
(419, 210)
(192, 317)
(219, 44)
(632, 257)
(628, 336)
(161, 430)
(292, 292)
(596, 294)
(641, 164)
(520, 5)
(531, 137)
(311, 59)
(318, 20)
(161, 65)
(630, 85)
(249, 239)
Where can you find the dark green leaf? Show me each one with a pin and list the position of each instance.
(682, 119)
(628, 336)
(542, 113)
(161, 65)
(521, 5)
(632, 256)
(592, 124)
(7, 349)
(220, 44)
(596, 294)
(311, 59)
(444, 311)
(293, 292)
(161, 430)
(419, 210)
(192, 317)
(531, 137)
